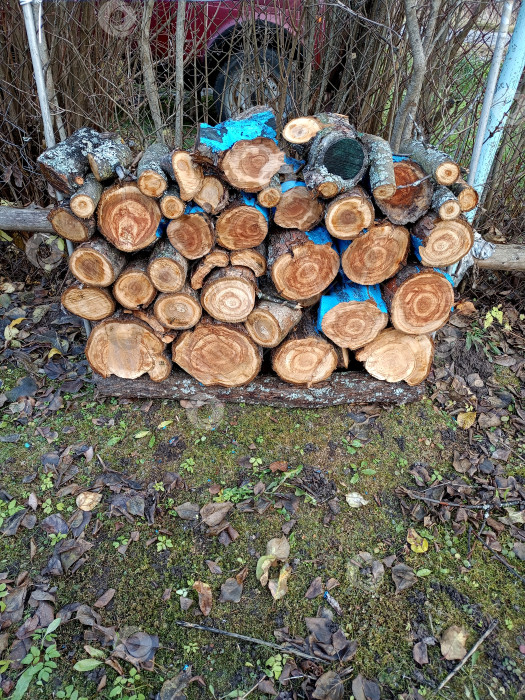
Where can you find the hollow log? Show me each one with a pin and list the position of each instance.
(381, 172)
(92, 303)
(419, 299)
(445, 203)
(250, 165)
(243, 224)
(216, 258)
(127, 218)
(413, 195)
(433, 161)
(127, 347)
(228, 294)
(270, 322)
(167, 268)
(67, 225)
(96, 263)
(302, 264)
(218, 354)
(133, 288)
(394, 356)
(188, 174)
(65, 165)
(192, 233)
(305, 357)
(83, 202)
(350, 213)
(297, 208)
(253, 258)
(270, 196)
(439, 243)
(179, 310)
(376, 254)
(213, 196)
(467, 196)
(352, 315)
(110, 158)
(151, 178)
(171, 204)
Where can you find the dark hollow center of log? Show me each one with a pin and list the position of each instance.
(344, 158)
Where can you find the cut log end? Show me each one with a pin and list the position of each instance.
(270, 323)
(349, 214)
(297, 208)
(377, 254)
(410, 201)
(305, 272)
(467, 196)
(228, 294)
(440, 243)
(394, 356)
(212, 196)
(68, 225)
(241, 226)
(188, 174)
(96, 263)
(178, 310)
(167, 274)
(133, 289)
(217, 258)
(269, 197)
(250, 165)
(447, 173)
(127, 218)
(192, 235)
(92, 303)
(305, 360)
(301, 130)
(171, 205)
(422, 303)
(449, 210)
(151, 183)
(353, 324)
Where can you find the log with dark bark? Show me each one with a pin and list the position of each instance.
(298, 207)
(171, 204)
(188, 174)
(96, 263)
(67, 225)
(381, 172)
(133, 288)
(254, 258)
(128, 348)
(270, 196)
(65, 165)
(85, 200)
(228, 294)
(413, 195)
(433, 161)
(92, 303)
(215, 258)
(167, 268)
(467, 196)
(218, 354)
(376, 254)
(127, 218)
(439, 243)
(347, 215)
(213, 196)
(302, 264)
(445, 203)
(419, 299)
(243, 224)
(250, 165)
(352, 315)
(151, 178)
(192, 233)
(271, 321)
(110, 158)
(394, 356)
(179, 310)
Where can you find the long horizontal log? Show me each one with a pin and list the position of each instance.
(15, 219)
(505, 257)
(342, 388)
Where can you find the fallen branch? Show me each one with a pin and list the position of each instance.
(464, 660)
(501, 559)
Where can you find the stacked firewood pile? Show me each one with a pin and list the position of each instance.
(236, 246)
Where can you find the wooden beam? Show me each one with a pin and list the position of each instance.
(505, 257)
(14, 219)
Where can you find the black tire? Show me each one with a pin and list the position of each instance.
(236, 90)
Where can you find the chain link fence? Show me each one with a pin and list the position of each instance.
(212, 59)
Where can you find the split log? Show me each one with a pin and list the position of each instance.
(305, 357)
(84, 202)
(96, 263)
(171, 204)
(110, 158)
(228, 294)
(67, 225)
(65, 165)
(445, 203)
(394, 356)
(467, 196)
(350, 213)
(253, 258)
(218, 354)
(250, 165)
(271, 321)
(128, 348)
(93, 303)
(376, 254)
(151, 178)
(213, 196)
(179, 310)
(381, 172)
(433, 161)
(302, 264)
(188, 174)
(216, 258)
(270, 196)
(192, 233)
(419, 299)
(440, 243)
(127, 218)
(413, 195)
(298, 207)
(352, 315)
(167, 268)
(133, 288)
(243, 224)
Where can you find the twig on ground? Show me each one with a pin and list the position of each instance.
(464, 660)
(501, 559)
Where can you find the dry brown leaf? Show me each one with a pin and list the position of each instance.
(453, 643)
(279, 548)
(88, 500)
(105, 598)
(205, 597)
(279, 587)
(279, 466)
(467, 419)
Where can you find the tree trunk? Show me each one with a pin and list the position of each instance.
(65, 165)
(218, 354)
(270, 196)
(127, 218)
(93, 303)
(419, 300)
(297, 208)
(192, 233)
(109, 159)
(243, 224)
(151, 178)
(171, 204)
(179, 310)
(84, 202)
(376, 254)
(467, 196)
(271, 321)
(411, 201)
(253, 258)
(213, 196)
(96, 263)
(250, 165)
(347, 215)
(133, 288)
(188, 174)
(301, 264)
(148, 72)
(433, 161)
(228, 294)
(352, 315)
(67, 225)
(440, 243)
(167, 268)
(445, 203)
(381, 172)
(216, 258)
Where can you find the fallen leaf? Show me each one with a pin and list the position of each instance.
(279, 548)
(185, 603)
(164, 424)
(188, 511)
(329, 686)
(214, 513)
(54, 525)
(363, 689)
(279, 587)
(105, 598)
(141, 434)
(418, 544)
(453, 643)
(205, 597)
(466, 420)
(213, 567)
(403, 577)
(88, 500)
(266, 687)
(278, 466)
(86, 665)
(315, 589)
(231, 591)
(355, 500)
(420, 653)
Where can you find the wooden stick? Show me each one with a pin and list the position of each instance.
(464, 660)
(501, 559)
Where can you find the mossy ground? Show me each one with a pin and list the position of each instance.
(382, 623)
